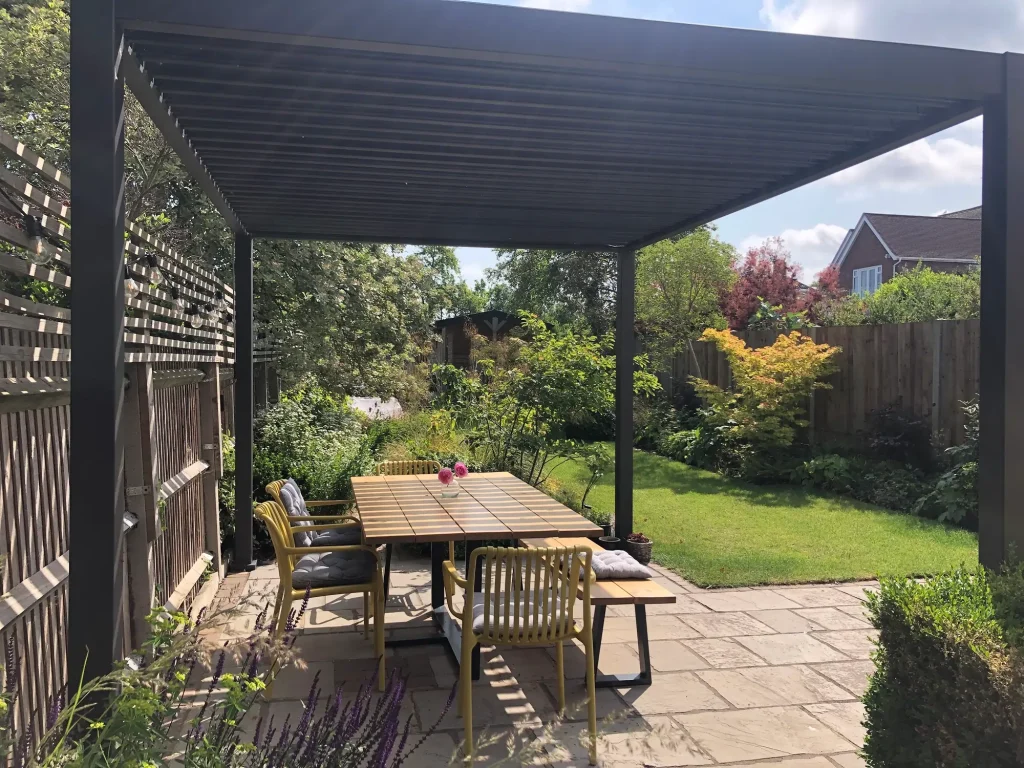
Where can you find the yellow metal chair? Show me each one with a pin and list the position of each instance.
(527, 599)
(274, 489)
(408, 468)
(309, 568)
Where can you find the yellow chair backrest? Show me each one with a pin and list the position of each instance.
(408, 468)
(275, 518)
(274, 489)
(529, 595)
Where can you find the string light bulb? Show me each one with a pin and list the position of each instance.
(220, 301)
(153, 273)
(37, 251)
(179, 301)
(195, 317)
(131, 288)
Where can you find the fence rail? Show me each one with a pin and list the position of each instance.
(179, 342)
(925, 368)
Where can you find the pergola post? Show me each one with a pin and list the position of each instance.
(1001, 458)
(97, 344)
(243, 555)
(625, 352)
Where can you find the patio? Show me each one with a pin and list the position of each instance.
(742, 677)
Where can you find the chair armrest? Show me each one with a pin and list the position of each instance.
(332, 503)
(353, 518)
(451, 581)
(306, 528)
(327, 550)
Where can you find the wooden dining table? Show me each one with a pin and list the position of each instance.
(490, 506)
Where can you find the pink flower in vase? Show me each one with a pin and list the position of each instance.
(461, 470)
(445, 476)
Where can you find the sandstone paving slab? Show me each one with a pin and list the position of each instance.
(671, 693)
(744, 600)
(849, 760)
(295, 683)
(658, 742)
(852, 675)
(772, 686)
(727, 625)
(756, 734)
(791, 649)
(622, 629)
(544, 698)
(855, 643)
(859, 590)
(670, 656)
(846, 718)
(789, 762)
(833, 618)
(492, 706)
(784, 621)
(724, 653)
(859, 611)
(437, 751)
(337, 646)
(818, 597)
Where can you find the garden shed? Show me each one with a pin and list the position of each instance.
(482, 125)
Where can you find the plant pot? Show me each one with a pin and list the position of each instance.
(641, 552)
(607, 528)
(610, 542)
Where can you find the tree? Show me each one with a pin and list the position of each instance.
(828, 303)
(562, 287)
(922, 294)
(767, 275)
(678, 286)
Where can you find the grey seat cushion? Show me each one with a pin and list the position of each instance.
(295, 506)
(497, 612)
(334, 569)
(339, 537)
(617, 564)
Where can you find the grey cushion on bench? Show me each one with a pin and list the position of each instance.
(617, 564)
(334, 569)
(295, 506)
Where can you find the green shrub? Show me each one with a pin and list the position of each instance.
(896, 434)
(892, 486)
(226, 489)
(830, 472)
(948, 690)
(955, 495)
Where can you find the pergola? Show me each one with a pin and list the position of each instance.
(437, 122)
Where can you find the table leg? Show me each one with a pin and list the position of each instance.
(598, 629)
(387, 573)
(625, 681)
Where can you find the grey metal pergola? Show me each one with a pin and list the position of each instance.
(436, 122)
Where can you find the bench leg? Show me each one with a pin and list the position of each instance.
(625, 681)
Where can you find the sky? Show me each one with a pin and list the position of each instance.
(934, 175)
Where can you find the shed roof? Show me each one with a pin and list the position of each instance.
(428, 121)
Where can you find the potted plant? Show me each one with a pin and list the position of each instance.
(450, 480)
(639, 547)
(602, 519)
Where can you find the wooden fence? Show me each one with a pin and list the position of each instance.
(926, 368)
(177, 399)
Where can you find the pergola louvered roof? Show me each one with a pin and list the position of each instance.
(430, 121)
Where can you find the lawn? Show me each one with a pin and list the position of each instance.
(716, 531)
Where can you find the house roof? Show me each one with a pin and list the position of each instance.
(947, 238)
(459, 123)
(966, 213)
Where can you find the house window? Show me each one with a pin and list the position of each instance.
(866, 281)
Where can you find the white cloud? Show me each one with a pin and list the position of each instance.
(812, 248)
(923, 164)
(557, 5)
(995, 25)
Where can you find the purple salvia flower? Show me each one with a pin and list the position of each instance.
(10, 667)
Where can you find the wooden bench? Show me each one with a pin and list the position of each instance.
(636, 592)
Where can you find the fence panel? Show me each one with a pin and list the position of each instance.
(171, 514)
(928, 369)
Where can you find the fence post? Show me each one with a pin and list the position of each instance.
(273, 385)
(141, 490)
(261, 386)
(936, 377)
(210, 431)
